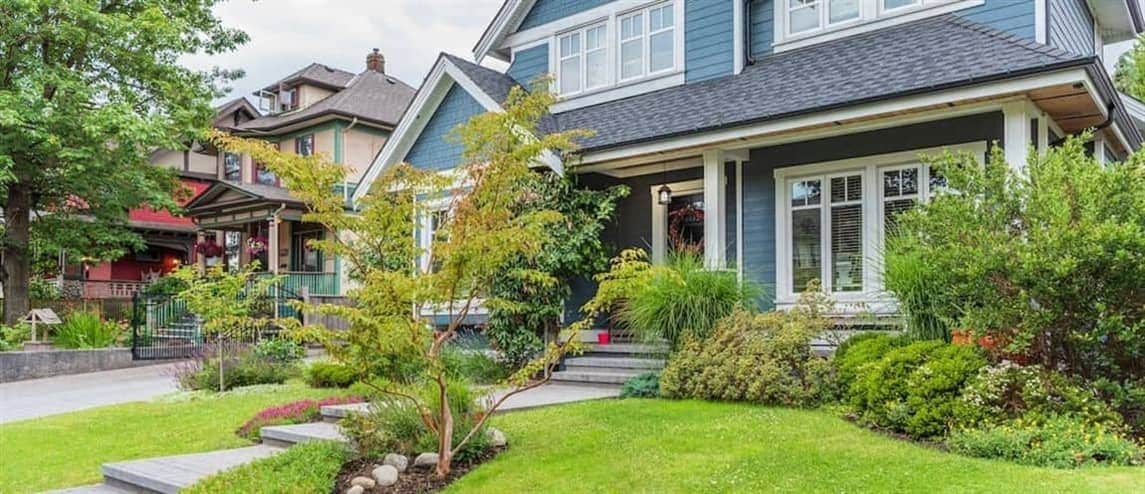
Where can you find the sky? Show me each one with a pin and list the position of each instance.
(287, 35)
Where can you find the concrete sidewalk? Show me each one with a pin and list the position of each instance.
(33, 398)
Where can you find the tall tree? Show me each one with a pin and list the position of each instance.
(1130, 73)
(88, 89)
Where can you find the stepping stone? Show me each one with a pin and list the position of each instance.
(288, 435)
(170, 474)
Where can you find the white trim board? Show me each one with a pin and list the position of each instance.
(660, 214)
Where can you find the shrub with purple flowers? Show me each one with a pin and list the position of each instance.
(297, 412)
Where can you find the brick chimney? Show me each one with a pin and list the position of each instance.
(376, 62)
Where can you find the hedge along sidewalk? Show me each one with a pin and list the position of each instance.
(67, 450)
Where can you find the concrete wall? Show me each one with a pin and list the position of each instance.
(18, 366)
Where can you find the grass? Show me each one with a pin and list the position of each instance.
(305, 468)
(67, 450)
(685, 446)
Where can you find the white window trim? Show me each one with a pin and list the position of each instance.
(825, 23)
(610, 15)
(648, 33)
(583, 53)
(871, 17)
(872, 296)
(425, 230)
(660, 214)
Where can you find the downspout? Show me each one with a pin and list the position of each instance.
(748, 58)
(1110, 109)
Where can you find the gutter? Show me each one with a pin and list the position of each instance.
(1111, 111)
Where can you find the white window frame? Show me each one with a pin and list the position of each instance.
(583, 54)
(872, 296)
(648, 33)
(872, 16)
(426, 231)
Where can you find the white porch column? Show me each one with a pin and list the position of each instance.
(272, 244)
(715, 201)
(1017, 135)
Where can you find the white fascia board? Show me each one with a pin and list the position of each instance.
(741, 136)
(501, 24)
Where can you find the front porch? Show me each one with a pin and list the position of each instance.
(250, 223)
(812, 198)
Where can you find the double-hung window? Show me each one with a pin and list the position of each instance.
(583, 59)
(304, 145)
(647, 40)
(232, 167)
(902, 187)
(804, 16)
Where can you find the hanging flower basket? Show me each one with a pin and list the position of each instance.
(257, 245)
(208, 248)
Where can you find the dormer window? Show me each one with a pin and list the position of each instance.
(288, 99)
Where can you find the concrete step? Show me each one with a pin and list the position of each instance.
(284, 436)
(94, 489)
(612, 362)
(613, 376)
(170, 474)
(334, 413)
(595, 350)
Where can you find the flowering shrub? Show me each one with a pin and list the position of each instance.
(297, 412)
(1059, 441)
(1008, 391)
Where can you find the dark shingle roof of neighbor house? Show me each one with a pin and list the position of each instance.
(316, 74)
(928, 55)
(371, 96)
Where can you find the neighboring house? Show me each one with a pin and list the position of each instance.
(169, 239)
(784, 135)
(318, 109)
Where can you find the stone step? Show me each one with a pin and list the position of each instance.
(170, 474)
(613, 376)
(287, 435)
(94, 489)
(334, 413)
(613, 362)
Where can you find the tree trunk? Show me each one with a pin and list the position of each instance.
(17, 264)
(445, 436)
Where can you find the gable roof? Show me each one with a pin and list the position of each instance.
(315, 74)
(372, 96)
(225, 113)
(248, 193)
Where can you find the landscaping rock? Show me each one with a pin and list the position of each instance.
(357, 489)
(425, 460)
(386, 475)
(364, 482)
(496, 438)
(400, 462)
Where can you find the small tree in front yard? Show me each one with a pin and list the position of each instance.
(481, 232)
(1048, 263)
(227, 303)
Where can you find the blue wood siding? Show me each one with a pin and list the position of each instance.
(708, 39)
(528, 64)
(546, 11)
(759, 227)
(1013, 16)
(762, 13)
(434, 149)
(1070, 26)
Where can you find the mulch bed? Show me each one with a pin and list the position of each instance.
(413, 480)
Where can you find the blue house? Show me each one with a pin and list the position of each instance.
(794, 126)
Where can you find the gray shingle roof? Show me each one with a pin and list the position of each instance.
(928, 55)
(317, 74)
(371, 96)
(496, 84)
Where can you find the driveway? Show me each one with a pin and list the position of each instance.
(52, 395)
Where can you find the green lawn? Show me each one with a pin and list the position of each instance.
(636, 446)
(67, 450)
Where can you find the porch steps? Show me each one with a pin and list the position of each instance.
(611, 364)
(170, 474)
(334, 413)
(284, 436)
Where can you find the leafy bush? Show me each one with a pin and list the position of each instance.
(304, 468)
(914, 389)
(646, 385)
(325, 374)
(394, 424)
(762, 358)
(1057, 441)
(914, 281)
(87, 330)
(41, 289)
(280, 350)
(473, 365)
(1047, 261)
(239, 368)
(166, 285)
(861, 350)
(13, 337)
(297, 412)
(1008, 391)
